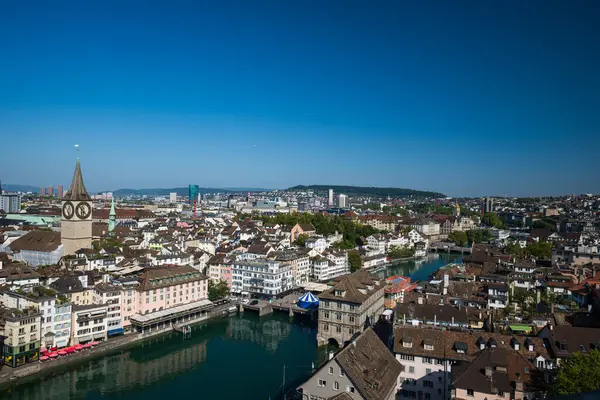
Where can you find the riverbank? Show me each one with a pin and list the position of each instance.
(39, 368)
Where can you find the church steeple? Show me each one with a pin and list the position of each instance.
(76, 222)
(77, 191)
(112, 216)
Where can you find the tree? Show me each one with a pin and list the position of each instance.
(577, 374)
(355, 260)
(478, 236)
(543, 224)
(492, 219)
(460, 238)
(217, 290)
(395, 252)
(542, 250)
(301, 239)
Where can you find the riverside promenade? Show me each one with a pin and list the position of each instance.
(8, 374)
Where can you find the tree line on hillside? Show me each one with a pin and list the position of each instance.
(368, 191)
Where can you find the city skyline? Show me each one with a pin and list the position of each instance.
(468, 99)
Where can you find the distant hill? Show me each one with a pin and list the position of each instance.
(367, 191)
(11, 187)
(181, 191)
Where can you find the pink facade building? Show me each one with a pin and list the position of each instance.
(162, 288)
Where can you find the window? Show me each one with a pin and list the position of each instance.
(428, 384)
(341, 372)
(427, 371)
(338, 316)
(22, 349)
(411, 370)
(326, 327)
(322, 383)
(427, 360)
(339, 305)
(330, 370)
(336, 385)
(406, 357)
(351, 318)
(470, 392)
(338, 329)
(427, 396)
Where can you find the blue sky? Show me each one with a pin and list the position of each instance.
(463, 97)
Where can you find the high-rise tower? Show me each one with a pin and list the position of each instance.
(76, 222)
(112, 217)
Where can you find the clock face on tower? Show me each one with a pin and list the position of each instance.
(68, 210)
(83, 210)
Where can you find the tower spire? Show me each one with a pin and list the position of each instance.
(77, 190)
(112, 216)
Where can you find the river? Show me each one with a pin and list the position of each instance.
(241, 356)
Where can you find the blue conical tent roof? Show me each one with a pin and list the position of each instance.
(308, 300)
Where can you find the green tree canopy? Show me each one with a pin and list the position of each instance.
(544, 224)
(460, 238)
(542, 250)
(217, 291)
(355, 260)
(301, 239)
(478, 236)
(396, 252)
(578, 374)
(491, 219)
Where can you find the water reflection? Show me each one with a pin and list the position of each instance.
(265, 333)
(142, 366)
(142, 369)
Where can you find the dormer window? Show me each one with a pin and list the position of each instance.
(515, 344)
(481, 343)
(529, 344)
(428, 344)
(492, 343)
(407, 342)
(339, 293)
(460, 347)
(562, 345)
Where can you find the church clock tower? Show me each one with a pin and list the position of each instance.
(76, 222)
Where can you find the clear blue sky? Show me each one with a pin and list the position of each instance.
(462, 97)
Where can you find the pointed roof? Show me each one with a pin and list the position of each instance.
(112, 207)
(77, 191)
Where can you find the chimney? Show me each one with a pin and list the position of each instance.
(488, 372)
(420, 299)
(330, 355)
(0, 264)
(446, 284)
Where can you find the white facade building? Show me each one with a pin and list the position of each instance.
(319, 244)
(111, 296)
(172, 197)
(55, 321)
(343, 201)
(330, 199)
(88, 323)
(261, 277)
